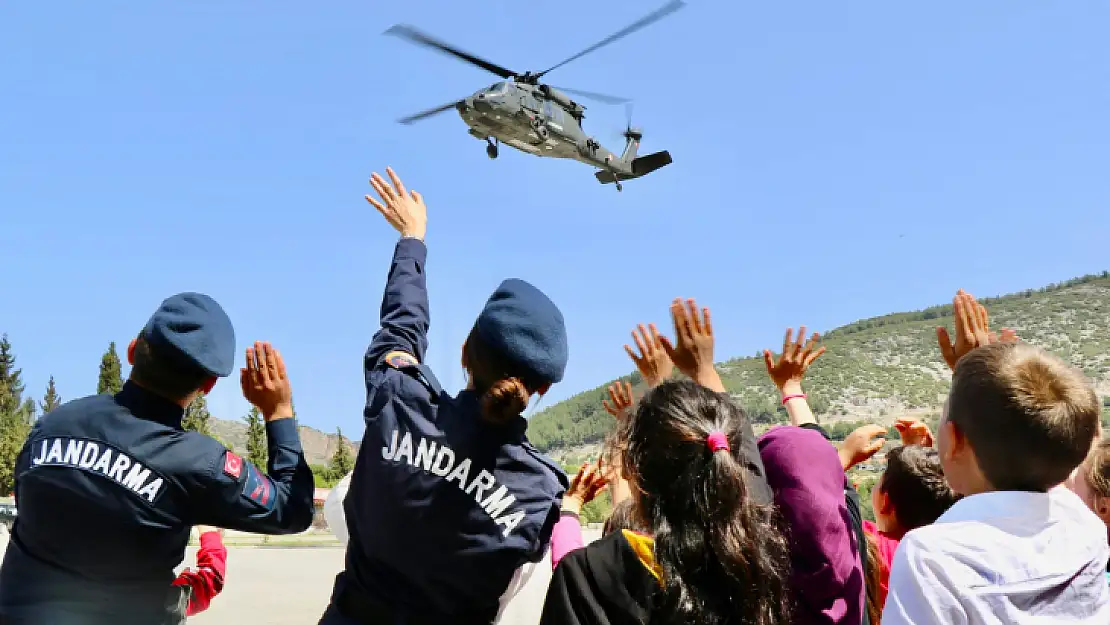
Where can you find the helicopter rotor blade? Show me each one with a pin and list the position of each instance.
(648, 19)
(428, 113)
(600, 97)
(408, 32)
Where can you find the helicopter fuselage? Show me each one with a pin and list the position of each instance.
(532, 119)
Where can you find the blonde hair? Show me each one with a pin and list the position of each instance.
(1098, 468)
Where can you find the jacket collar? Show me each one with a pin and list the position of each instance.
(147, 405)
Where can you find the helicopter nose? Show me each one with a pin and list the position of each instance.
(483, 104)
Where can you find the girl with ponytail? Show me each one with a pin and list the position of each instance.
(714, 555)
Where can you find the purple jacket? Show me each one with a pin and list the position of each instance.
(826, 576)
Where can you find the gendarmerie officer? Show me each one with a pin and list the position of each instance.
(108, 487)
(448, 499)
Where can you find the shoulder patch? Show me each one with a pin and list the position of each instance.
(400, 360)
(233, 465)
(258, 488)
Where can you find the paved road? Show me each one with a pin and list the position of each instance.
(280, 586)
(275, 586)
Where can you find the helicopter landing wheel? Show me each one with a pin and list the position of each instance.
(619, 187)
(491, 150)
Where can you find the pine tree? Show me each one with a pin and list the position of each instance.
(196, 416)
(111, 380)
(52, 399)
(341, 461)
(257, 451)
(15, 416)
(11, 383)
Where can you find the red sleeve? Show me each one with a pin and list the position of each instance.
(208, 579)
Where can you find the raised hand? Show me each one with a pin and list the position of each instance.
(1006, 336)
(621, 395)
(404, 210)
(791, 366)
(693, 351)
(265, 383)
(861, 444)
(972, 330)
(913, 432)
(652, 361)
(584, 487)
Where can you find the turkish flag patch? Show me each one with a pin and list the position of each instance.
(233, 465)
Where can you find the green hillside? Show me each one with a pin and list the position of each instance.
(878, 368)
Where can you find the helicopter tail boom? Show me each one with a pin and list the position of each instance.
(640, 166)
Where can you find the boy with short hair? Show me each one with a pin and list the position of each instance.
(1018, 548)
(910, 493)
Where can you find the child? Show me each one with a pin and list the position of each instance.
(714, 553)
(911, 492)
(1017, 548)
(202, 584)
(716, 556)
(1091, 482)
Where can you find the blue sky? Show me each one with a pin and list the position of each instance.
(832, 161)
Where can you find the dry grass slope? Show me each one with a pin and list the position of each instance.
(879, 368)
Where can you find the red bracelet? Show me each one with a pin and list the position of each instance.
(789, 397)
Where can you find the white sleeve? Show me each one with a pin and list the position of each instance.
(522, 603)
(333, 509)
(921, 589)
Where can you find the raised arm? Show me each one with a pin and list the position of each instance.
(237, 494)
(404, 314)
(790, 369)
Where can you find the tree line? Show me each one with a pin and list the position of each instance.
(18, 414)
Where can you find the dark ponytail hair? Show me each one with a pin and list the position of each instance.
(503, 391)
(722, 557)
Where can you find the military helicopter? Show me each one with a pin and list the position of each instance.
(539, 119)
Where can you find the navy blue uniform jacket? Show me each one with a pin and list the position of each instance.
(108, 489)
(443, 507)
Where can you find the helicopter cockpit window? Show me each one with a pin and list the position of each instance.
(498, 88)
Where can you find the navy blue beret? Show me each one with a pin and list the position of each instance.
(522, 324)
(195, 331)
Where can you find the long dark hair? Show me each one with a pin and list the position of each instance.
(722, 557)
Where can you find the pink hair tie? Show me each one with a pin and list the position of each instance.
(717, 441)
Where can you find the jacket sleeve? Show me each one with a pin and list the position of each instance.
(404, 314)
(207, 580)
(239, 496)
(565, 538)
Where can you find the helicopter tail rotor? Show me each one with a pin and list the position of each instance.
(630, 132)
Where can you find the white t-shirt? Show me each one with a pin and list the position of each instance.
(1003, 558)
(523, 600)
